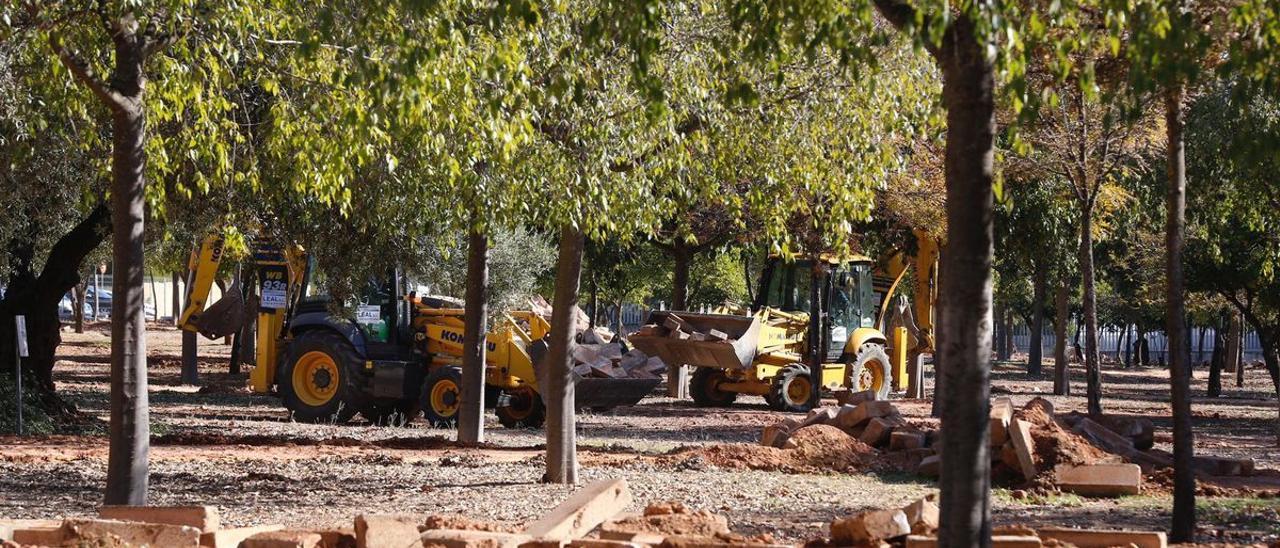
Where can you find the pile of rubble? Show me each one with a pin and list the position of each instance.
(877, 424)
(599, 355)
(592, 511)
(916, 525)
(677, 328)
(1105, 456)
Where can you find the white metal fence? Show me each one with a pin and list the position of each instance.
(1109, 341)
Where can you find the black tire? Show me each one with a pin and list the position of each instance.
(870, 370)
(704, 387)
(441, 396)
(324, 398)
(788, 392)
(524, 409)
(399, 413)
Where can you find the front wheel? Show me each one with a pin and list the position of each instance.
(524, 409)
(704, 387)
(791, 389)
(870, 371)
(320, 380)
(442, 396)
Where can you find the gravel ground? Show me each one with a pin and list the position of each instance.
(238, 451)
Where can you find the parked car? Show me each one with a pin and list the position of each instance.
(66, 307)
(104, 303)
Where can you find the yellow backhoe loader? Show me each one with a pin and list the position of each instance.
(398, 357)
(765, 350)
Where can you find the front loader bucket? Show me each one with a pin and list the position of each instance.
(598, 393)
(223, 317)
(736, 353)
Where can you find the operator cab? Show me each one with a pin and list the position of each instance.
(848, 294)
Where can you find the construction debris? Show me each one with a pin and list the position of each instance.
(868, 527)
(1100, 480)
(607, 360)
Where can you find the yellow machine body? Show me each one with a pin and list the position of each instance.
(507, 361)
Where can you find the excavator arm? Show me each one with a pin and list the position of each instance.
(226, 315)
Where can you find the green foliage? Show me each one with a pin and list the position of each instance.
(517, 259)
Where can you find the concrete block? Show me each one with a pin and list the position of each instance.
(36, 532)
(997, 541)
(821, 415)
(204, 518)
(864, 412)
(930, 466)
(1103, 437)
(902, 440)
(852, 399)
(582, 512)
(1020, 435)
(454, 538)
(283, 539)
(386, 530)
(869, 527)
(1100, 480)
(922, 516)
(878, 430)
(1097, 538)
(231, 538)
(132, 532)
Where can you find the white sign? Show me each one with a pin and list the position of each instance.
(273, 295)
(369, 313)
(22, 336)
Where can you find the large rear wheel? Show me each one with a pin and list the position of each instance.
(791, 389)
(870, 371)
(441, 396)
(320, 380)
(524, 409)
(704, 387)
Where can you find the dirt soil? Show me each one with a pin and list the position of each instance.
(220, 444)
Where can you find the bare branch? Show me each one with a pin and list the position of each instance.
(84, 73)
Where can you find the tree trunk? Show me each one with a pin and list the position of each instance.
(37, 296)
(176, 281)
(969, 96)
(1061, 374)
(1238, 364)
(78, 302)
(1184, 481)
(562, 457)
(683, 256)
(1216, 363)
(190, 356)
(1092, 367)
(678, 374)
(1001, 331)
(1035, 348)
(127, 463)
(1200, 350)
(471, 411)
(1234, 347)
(814, 338)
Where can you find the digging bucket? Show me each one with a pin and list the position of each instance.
(593, 393)
(738, 353)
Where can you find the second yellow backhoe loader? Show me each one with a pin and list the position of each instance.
(398, 357)
(764, 351)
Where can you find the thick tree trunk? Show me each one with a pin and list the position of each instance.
(1035, 348)
(678, 374)
(1216, 362)
(965, 286)
(36, 296)
(190, 347)
(471, 412)
(1092, 365)
(1061, 373)
(683, 257)
(78, 303)
(127, 463)
(1200, 348)
(1184, 481)
(562, 457)
(190, 358)
(814, 338)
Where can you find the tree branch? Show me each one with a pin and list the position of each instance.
(84, 73)
(901, 15)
